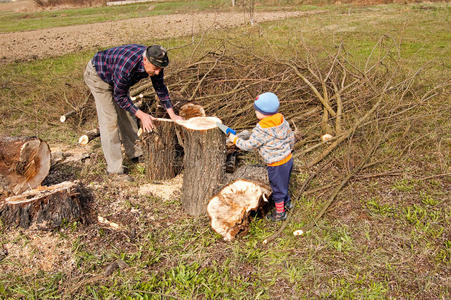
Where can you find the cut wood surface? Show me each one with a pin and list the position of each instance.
(49, 206)
(24, 163)
(162, 153)
(89, 136)
(204, 162)
(191, 110)
(229, 210)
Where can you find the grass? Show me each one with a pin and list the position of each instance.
(386, 237)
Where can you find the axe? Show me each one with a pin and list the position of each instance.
(225, 129)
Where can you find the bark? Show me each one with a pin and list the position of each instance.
(162, 153)
(204, 162)
(49, 206)
(256, 173)
(24, 163)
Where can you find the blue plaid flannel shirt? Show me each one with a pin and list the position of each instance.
(122, 67)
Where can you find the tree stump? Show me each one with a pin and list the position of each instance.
(204, 162)
(230, 208)
(243, 193)
(162, 152)
(24, 163)
(49, 206)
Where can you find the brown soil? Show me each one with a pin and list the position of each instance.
(23, 46)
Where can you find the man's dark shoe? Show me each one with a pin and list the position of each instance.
(275, 217)
(289, 206)
(121, 178)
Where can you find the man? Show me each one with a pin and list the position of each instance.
(109, 76)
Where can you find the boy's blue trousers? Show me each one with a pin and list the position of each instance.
(279, 178)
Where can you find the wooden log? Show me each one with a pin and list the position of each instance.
(48, 206)
(162, 153)
(205, 156)
(255, 173)
(64, 117)
(230, 208)
(24, 163)
(89, 136)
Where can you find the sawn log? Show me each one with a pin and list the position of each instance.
(24, 163)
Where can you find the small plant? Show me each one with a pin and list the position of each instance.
(341, 240)
(376, 208)
(415, 214)
(427, 199)
(403, 185)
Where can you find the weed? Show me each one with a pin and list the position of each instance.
(403, 185)
(376, 208)
(340, 240)
(427, 199)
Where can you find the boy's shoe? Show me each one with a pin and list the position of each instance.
(275, 217)
(289, 206)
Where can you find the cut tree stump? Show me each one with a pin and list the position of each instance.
(162, 153)
(243, 192)
(48, 206)
(229, 210)
(204, 162)
(24, 163)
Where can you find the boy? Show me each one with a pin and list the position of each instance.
(274, 140)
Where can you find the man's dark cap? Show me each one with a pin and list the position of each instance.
(158, 56)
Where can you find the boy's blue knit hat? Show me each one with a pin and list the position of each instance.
(267, 103)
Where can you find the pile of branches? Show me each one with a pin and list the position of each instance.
(319, 96)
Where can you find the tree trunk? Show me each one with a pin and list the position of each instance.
(162, 153)
(205, 155)
(49, 206)
(24, 163)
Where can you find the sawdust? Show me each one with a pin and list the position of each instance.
(34, 251)
(165, 190)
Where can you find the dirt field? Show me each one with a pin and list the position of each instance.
(22, 46)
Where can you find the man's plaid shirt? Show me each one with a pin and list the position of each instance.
(122, 67)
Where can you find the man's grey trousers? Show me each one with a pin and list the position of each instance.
(115, 123)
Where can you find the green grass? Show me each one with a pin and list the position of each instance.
(11, 21)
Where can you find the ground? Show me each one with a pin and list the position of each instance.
(38, 44)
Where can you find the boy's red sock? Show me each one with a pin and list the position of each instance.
(280, 207)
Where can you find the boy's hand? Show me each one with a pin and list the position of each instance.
(231, 137)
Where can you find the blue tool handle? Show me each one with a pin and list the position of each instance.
(230, 130)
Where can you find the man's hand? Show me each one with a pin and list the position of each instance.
(173, 116)
(231, 137)
(177, 118)
(146, 120)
